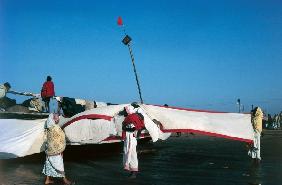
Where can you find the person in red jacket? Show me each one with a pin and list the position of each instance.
(47, 92)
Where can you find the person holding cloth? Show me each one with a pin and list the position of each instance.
(254, 151)
(47, 92)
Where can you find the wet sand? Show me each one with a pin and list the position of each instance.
(189, 159)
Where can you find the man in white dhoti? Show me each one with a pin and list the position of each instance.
(130, 160)
(254, 151)
(55, 145)
(132, 126)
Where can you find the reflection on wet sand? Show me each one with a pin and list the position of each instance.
(189, 159)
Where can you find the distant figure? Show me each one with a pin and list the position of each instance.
(275, 122)
(131, 126)
(34, 104)
(257, 116)
(280, 120)
(4, 88)
(55, 145)
(5, 102)
(47, 92)
(269, 121)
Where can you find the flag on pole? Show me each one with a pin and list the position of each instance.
(119, 21)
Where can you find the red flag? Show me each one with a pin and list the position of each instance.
(119, 21)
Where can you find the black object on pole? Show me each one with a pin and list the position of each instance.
(126, 41)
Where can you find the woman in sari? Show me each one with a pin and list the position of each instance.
(55, 145)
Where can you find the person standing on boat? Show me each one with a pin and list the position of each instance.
(55, 145)
(131, 126)
(4, 88)
(257, 116)
(47, 92)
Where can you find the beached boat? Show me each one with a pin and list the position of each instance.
(102, 125)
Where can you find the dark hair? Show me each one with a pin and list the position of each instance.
(49, 78)
(254, 111)
(7, 84)
(123, 112)
(135, 105)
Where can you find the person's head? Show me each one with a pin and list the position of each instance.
(56, 118)
(129, 109)
(254, 111)
(123, 112)
(7, 85)
(52, 120)
(135, 105)
(49, 78)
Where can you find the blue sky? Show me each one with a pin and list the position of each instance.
(194, 54)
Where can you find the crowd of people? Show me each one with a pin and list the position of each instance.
(273, 122)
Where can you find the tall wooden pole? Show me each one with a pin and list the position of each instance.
(135, 72)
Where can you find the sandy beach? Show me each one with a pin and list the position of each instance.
(189, 159)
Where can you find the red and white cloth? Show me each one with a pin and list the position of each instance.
(235, 126)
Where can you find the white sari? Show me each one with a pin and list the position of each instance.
(254, 152)
(54, 164)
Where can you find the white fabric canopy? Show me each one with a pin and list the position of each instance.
(20, 137)
(235, 126)
(103, 125)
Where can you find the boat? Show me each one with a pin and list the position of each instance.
(23, 134)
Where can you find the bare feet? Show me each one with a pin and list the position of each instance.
(67, 182)
(48, 180)
(133, 175)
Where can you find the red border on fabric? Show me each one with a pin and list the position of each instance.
(208, 134)
(88, 116)
(199, 131)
